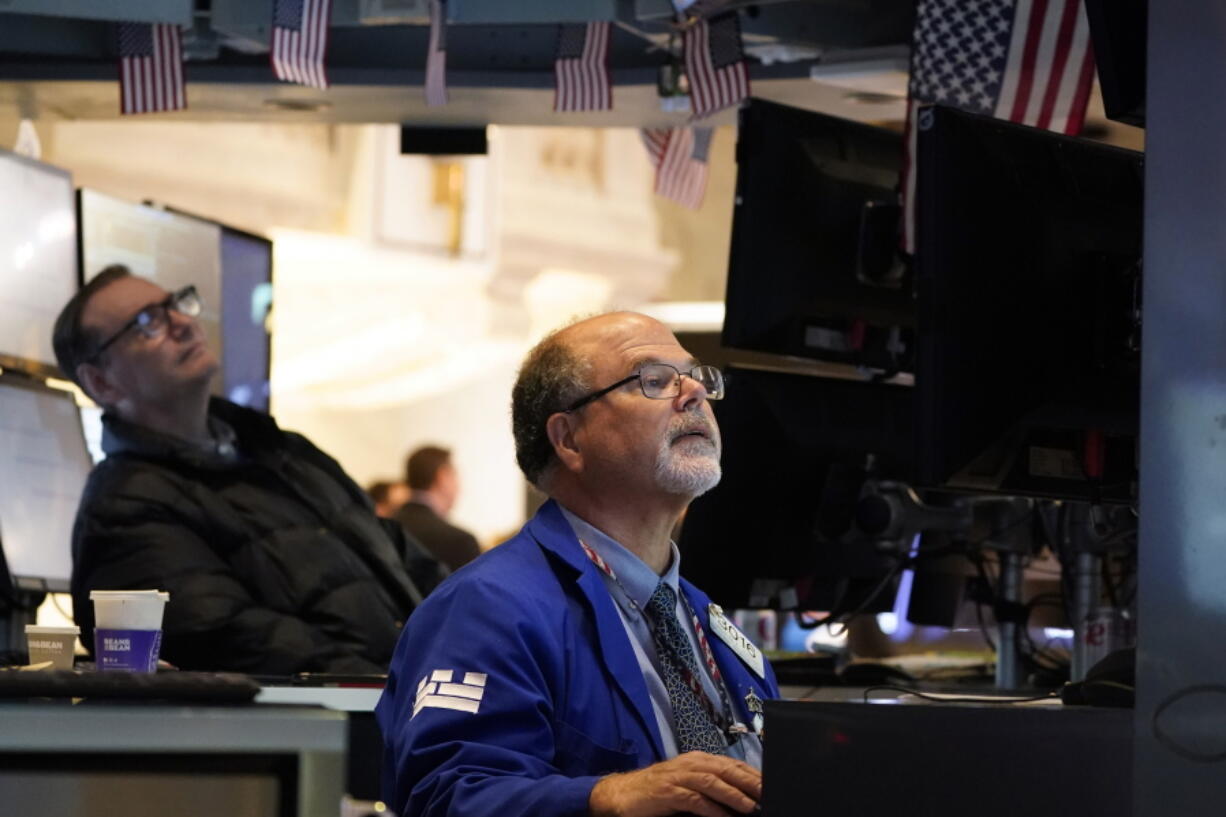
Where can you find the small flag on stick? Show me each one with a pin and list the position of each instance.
(300, 40)
(581, 68)
(715, 64)
(150, 68)
(680, 157)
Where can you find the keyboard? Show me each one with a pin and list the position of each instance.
(203, 687)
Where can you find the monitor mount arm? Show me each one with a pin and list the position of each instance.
(893, 514)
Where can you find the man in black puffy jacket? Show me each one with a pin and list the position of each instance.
(273, 557)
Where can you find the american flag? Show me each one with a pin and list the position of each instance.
(679, 156)
(1027, 61)
(150, 68)
(715, 64)
(299, 40)
(436, 55)
(581, 68)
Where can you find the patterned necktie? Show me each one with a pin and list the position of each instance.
(694, 727)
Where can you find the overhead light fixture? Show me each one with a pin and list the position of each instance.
(297, 105)
(875, 81)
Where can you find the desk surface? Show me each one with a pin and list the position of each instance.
(342, 699)
(137, 726)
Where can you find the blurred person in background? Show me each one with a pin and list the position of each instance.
(388, 496)
(434, 485)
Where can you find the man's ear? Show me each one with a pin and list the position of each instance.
(97, 385)
(561, 430)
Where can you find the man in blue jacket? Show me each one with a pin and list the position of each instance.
(570, 671)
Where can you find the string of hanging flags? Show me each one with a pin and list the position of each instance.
(1024, 60)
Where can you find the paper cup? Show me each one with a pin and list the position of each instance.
(54, 644)
(128, 628)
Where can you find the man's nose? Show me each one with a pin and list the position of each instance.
(180, 325)
(690, 394)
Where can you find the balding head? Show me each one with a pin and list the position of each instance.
(584, 358)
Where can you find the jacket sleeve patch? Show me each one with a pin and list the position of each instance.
(437, 690)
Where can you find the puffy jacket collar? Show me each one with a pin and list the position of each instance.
(255, 430)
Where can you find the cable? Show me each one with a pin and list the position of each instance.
(55, 601)
(959, 700)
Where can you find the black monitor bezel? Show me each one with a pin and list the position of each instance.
(937, 236)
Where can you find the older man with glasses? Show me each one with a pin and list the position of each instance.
(571, 670)
(273, 557)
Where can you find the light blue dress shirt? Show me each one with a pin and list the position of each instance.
(638, 580)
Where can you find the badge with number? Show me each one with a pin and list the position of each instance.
(728, 633)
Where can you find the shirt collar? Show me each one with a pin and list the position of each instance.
(225, 439)
(429, 499)
(637, 579)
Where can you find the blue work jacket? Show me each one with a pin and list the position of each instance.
(514, 686)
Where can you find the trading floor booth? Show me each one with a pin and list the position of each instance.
(950, 432)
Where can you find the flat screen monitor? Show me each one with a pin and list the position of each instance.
(38, 260)
(1118, 31)
(813, 269)
(778, 531)
(1028, 273)
(246, 294)
(168, 248)
(43, 467)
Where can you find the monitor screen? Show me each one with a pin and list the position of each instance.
(1118, 32)
(813, 269)
(38, 259)
(43, 467)
(778, 531)
(246, 293)
(1028, 274)
(168, 248)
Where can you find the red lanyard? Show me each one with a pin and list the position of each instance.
(720, 719)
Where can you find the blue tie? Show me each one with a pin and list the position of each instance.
(694, 728)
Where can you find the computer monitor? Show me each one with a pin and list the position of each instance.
(813, 269)
(1028, 272)
(246, 294)
(170, 248)
(43, 467)
(778, 531)
(1118, 31)
(38, 260)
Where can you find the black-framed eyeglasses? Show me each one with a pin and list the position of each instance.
(660, 381)
(152, 321)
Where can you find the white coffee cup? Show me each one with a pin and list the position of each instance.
(128, 629)
(54, 644)
(128, 609)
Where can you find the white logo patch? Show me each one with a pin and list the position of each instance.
(437, 690)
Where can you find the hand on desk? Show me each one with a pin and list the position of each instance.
(696, 782)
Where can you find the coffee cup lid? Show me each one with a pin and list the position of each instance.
(38, 629)
(128, 595)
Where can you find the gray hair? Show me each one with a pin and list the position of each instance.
(551, 378)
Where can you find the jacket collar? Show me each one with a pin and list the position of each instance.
(120, 436)
(554, 534)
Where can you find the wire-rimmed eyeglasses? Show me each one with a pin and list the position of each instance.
(660, 381)
(152, 321)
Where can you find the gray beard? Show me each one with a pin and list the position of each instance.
(686, 473)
